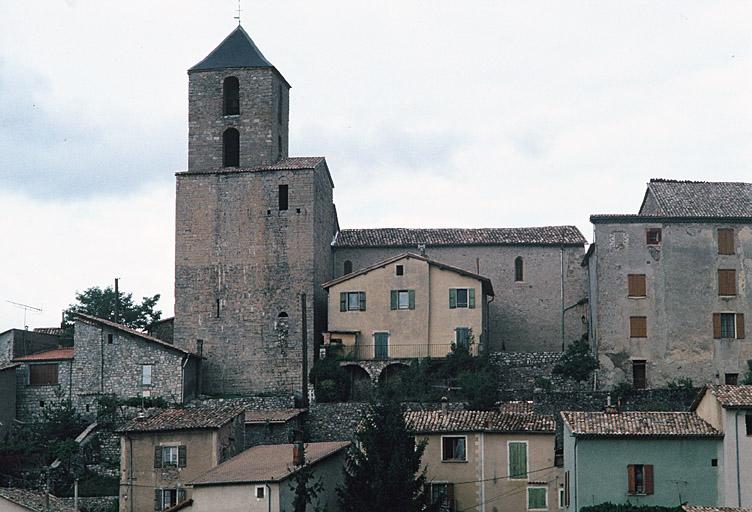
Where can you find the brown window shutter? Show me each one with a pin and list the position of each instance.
(739, 326)
(726, 241)
(648, 476)
(157, 456)
(727, 282)
(638, 327)
(636, 284)
(631, 489)
(716, 325)
(182, 456)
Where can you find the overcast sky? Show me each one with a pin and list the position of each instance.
(431, 113)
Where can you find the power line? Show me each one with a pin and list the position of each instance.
(501, 495)
(503, 477)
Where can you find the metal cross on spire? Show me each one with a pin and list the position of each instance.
(239, 11)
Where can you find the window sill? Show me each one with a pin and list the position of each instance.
(230, 115)
(637, 296)
(454, 461)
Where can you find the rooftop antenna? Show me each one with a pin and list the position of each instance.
(239, 11)
(26, 308)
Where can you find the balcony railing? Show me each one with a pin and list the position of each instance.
(383, 352)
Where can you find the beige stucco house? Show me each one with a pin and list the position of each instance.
(259, 479)
(489, 460)
(160, 454)
(408, 306)
(729, 410)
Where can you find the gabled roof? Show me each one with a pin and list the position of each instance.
(132, 332)
(271, 416)
(266, 463)
(674, 198)
(432, 422)
(237, 50)
(487, 286)
(401, 237)
(730, 397)
(188, 418)
(32, 500)
(638, 424)
(56, 354)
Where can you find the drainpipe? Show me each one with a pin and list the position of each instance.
(268, 497)
(561, 258)
(101, 357)
(130, 472)
(182, 378)
(738, 478)
(575, 474)
(482, 472)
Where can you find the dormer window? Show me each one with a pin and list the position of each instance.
(231, 96)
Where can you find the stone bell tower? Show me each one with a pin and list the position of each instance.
(253, 229)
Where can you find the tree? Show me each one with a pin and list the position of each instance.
(99, 302)
(578, 362)
(748, 376)
(305, 488)
(383, 469)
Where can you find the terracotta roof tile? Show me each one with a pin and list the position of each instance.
(400, 237)
(56, 354)
(694, 508)
(33, 500)
(733, 397)
(701, 198)
(478, 421)
(265, 463)
(54, 331)
(190, 418)
(272, 415)
(638, 424)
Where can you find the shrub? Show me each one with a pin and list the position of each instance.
(479, 389)
(622, 390)
(544, 383)
(680, 384)
(578, 362)
(330, 381)
(748, 376)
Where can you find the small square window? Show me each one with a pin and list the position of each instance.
(400, 270)
(714, 463)
(453, 449)
(41, 403)
(731, 379)
(653, 236)
(260, 492)
(109, 338)
(537, 498)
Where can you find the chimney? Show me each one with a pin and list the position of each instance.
(298, 454)
(611, 409)
(444, 401)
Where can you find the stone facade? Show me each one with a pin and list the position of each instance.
(7, 397)
(524, 316)
(32, 400)
(680, 299)
(163, 329)
(110, 360)
(18, 343)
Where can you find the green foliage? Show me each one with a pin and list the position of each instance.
(680, 384)
(479, 389)
(622, 390)
(305, 489)
(544, 383)
(109, 406)
(385, 457)
(748, 376)
(100, 302)
(627, 507)
(98, 485)
(330, 380)
(578, 362)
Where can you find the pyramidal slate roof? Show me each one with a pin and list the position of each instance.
(401, 237)
(675, 198)
(236, 51)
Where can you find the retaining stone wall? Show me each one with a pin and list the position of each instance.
(94, 504)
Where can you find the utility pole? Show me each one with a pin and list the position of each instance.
(117, 301)
(304, 340)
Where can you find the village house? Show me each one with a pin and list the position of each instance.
(641, 458)
(261, 478)
(160, 454)
(669, 289)
(13, 499)
(489, 460)
(20, 342)
(694, 508)
(42, 379)
(729, 410)
(408, 306)
(272, 426)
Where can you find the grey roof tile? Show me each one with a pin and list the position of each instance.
(700, 198)
(424, 422)
(190, 418)
(237, 50)
(638, 424)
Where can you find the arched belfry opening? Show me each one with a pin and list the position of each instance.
(231, 95)
(231, 148)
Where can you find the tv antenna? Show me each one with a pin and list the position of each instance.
(26, 309)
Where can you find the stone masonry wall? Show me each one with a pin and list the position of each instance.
(94, 504)
(31, 400)
(524, 316)
(258, 121)
(101, 367)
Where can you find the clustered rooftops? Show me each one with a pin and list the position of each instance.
(730, 397)
(266, 463)
(35, 501)
(403, 237)
(434, 422)
(56, 354)
(189, 418)
(638, 424)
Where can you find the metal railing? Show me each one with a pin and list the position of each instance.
(383, 352)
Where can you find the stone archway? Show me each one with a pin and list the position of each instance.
(392, 372)
(360, 383)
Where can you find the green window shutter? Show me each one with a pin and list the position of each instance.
(452, 298)
(517, 460)
(411, 297)
(182, 456)
(362, 296)
(157, 456)
(181, 495)
(157, 499)
(343, 301)
(471, 298)
(395, 295)
(536, 498)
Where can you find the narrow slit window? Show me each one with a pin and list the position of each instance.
(231, 148)
(347, 267)
(519, 269)
(231, 95)
(219, 307)
(283, 197)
